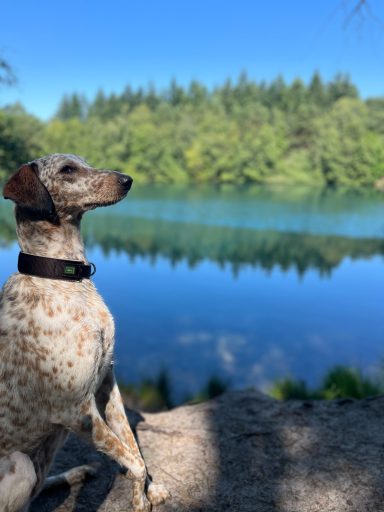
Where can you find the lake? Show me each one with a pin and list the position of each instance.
(250, 284)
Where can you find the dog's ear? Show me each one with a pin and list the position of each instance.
(27, 191)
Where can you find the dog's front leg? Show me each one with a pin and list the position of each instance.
(111, 407)
(92, 426)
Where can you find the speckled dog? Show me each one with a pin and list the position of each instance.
(56, 340)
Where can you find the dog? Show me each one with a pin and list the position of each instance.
(57, 337)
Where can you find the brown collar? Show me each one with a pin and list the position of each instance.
(53, 268)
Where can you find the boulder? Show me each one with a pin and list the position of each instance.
(243, 452)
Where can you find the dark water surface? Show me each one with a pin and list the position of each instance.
(250, 284)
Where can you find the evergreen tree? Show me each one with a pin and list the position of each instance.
(151, 97)
(175, 94)
(73, 106)
(197, 94)
(98, 107)
(341, 87)
(317, 91)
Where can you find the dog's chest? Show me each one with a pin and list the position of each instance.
(86, 346)
(63, 341)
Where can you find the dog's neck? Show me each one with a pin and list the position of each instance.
(43, 238)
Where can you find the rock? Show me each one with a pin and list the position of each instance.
(244, 452)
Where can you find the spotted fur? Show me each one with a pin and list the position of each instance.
(57, 337)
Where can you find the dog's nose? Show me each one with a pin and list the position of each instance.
(126, 181)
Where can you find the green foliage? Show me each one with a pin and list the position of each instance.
(348, 382)
(215, 386)
(151, 394)
(155, 394)
(289, 389)
(19, 138)
(338, 382)
(73, 106)
(348, 152)
(240, 132)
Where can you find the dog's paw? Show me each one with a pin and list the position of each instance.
(157, 493)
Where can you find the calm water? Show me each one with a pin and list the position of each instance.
(251, 285)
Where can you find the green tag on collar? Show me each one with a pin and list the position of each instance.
(69, 270)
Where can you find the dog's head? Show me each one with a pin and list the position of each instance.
(64, 186)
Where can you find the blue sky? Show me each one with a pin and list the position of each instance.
(82, 45)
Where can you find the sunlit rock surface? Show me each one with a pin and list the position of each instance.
(244, 452)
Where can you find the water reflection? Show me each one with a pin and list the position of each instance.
(224, 245)
(227, 246)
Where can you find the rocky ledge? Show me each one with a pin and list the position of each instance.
(244, 452)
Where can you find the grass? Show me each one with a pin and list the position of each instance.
(154, 395)
(338, 382)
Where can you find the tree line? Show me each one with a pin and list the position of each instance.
(239, 132)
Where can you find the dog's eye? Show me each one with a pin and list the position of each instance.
(67, 169)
